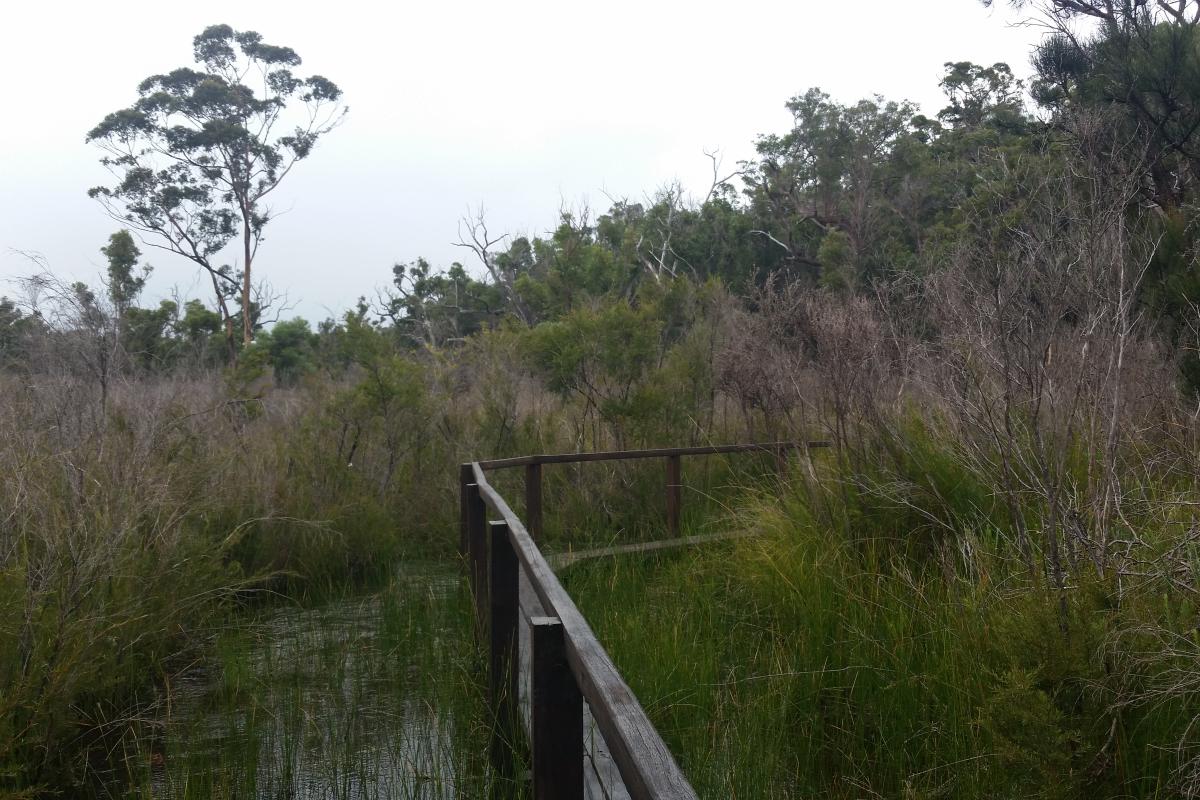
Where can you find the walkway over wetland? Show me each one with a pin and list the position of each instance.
(551, 683)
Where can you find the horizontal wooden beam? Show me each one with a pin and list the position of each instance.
(662, 452)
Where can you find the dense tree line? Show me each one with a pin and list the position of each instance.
(852, 197)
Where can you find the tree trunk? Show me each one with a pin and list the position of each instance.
(247, 326)
(226, 319)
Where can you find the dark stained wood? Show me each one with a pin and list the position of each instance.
(663, 452)
(601, 778)
(533, 500)
(531, 606)
(504, 605)
(646, 765)
(477, 553)
(466, 477)
(674, 493)
(556, 708)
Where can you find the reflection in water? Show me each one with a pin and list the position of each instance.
(360, 698)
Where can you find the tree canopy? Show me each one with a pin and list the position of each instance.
(195, 157)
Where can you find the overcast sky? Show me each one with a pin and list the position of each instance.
(521, 106)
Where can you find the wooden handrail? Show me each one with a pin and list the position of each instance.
(646, 765)
(672, 455)
(497, 553)
(658, 452)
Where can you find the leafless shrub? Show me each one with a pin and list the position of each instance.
(1039, 342)
(805, 354)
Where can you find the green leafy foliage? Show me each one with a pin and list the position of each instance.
(124, 282)
(200, 149)
(430, 308)
(291, 349)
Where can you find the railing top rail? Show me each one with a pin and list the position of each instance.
(660, 452)
(646, 765)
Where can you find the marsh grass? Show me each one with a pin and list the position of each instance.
(134, 535)
(860, 647)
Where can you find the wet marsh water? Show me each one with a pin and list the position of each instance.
(373, 696)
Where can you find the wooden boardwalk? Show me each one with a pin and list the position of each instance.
(569, 557)
(548, 673)
(602, 779)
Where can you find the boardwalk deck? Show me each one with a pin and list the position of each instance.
(602, 779)
(583, 709)
(569, 557)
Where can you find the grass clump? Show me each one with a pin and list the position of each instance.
(880, 636)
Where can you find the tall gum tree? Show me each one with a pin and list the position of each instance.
(196, 156)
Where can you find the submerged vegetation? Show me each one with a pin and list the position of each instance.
(368, 696)
(987, 587)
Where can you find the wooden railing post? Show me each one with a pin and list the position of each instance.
(781, 459)
(533, 500)
(646, 766)
(466, 477)
(504, 605)
(674, 494)
(477, 551)
(556, 708)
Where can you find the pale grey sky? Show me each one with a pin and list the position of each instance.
(518, 106)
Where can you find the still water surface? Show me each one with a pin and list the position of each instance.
(364, 697)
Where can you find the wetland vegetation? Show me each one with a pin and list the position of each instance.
(227, 544)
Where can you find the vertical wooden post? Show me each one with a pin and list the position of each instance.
(477, 550)
(533, 500)
(466, 476)
(556, 707)
(505, 606)
(674, 494)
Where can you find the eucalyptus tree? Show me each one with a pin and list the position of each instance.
(830, 175)
(980, 95)
(197, 154)
(125, 280)
(430, 308)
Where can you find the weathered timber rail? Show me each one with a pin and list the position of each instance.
(539, 642)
